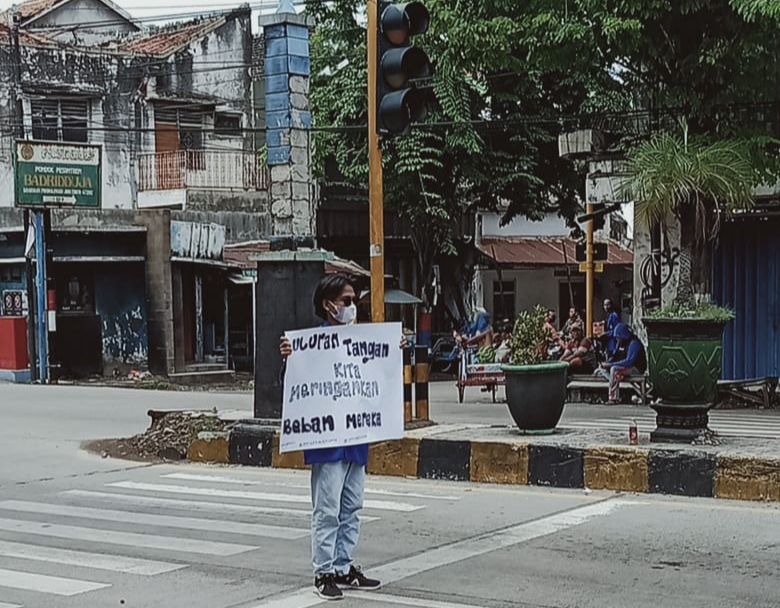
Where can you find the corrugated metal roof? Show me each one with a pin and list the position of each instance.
(171, 38)
(545, 251)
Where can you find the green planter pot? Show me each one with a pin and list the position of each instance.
(535, 395)
(684, 360)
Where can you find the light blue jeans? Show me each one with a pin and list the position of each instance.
(336, 497)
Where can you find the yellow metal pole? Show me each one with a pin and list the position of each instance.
(589, 274)
(375, 196)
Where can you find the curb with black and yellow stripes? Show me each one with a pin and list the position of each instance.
(626, 469)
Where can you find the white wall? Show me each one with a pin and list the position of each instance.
(552, 225)
(81, 12)
(541, 286)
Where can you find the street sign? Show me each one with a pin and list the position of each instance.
(55, 174)
(597, 267)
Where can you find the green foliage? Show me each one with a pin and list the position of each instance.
(528, 337)
(510, 75)
(702, 310)
(672, 170)
(478, 149)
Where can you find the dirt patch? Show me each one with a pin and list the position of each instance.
(418, 424)
(242, 383)
(167, 438)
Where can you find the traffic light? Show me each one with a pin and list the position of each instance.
(400, 101)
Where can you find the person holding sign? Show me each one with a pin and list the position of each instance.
(335, 369)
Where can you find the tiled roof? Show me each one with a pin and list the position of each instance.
(239, 253)
(545, 251)
(25, 38)
(31, 8)
(171, 38)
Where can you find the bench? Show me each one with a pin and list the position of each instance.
(758, 391)
(579, 388)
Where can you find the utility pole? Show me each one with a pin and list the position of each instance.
(589, 273)
(375, 194)
(16, 96)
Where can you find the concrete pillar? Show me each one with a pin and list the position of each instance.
(285, 288)
(288, 121)
(159, 298)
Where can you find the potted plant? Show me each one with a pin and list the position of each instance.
(696, 182)
(535, 389)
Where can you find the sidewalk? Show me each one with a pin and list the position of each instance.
(477, 441)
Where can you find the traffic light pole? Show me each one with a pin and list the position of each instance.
(375, 195)
(589, 274)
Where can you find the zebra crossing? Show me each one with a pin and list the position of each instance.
(79, 542)
(729, 423)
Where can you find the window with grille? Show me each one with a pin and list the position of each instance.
(60, 119)
(503, 300)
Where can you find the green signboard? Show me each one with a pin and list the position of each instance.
(55, 174)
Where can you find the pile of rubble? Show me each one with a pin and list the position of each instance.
(170, 433)
(708, 437)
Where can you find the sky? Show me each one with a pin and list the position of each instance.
(147, 9)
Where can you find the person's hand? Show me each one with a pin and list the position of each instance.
(285, 347)
(404, 342)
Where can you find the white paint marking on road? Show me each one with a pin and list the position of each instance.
(145, 519)
(53, 585)
(4, 605)
(130, 539)
(256, 482)
(380, 505)
(83, 559)
(404, 600)
(493, 541)
(464, 549)
(190, 505)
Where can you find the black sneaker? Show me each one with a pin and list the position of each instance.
(355, 579)
(326, 587)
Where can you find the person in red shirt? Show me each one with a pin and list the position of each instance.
(579, 353)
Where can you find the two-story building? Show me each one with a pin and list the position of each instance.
(173, 111)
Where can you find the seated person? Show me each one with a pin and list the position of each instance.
(554, 347)
(580, 353)
(479, 334)
(502, 348)
(574, 319)
(629, 359)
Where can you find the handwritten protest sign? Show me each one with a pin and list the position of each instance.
(343, 386)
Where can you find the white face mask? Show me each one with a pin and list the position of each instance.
(345, 314)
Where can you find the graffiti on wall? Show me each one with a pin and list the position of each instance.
(124, 337)
(655, 273)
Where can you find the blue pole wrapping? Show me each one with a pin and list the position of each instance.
(40, 290)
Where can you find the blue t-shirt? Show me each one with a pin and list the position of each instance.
(351, 453)
(612, 322)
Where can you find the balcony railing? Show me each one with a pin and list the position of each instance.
(201, 169)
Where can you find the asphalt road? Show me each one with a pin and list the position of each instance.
(77, 530)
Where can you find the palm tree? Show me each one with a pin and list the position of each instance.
(697, 182)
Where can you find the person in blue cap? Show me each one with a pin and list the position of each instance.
(629, 359)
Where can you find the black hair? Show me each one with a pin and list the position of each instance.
(330, 288)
